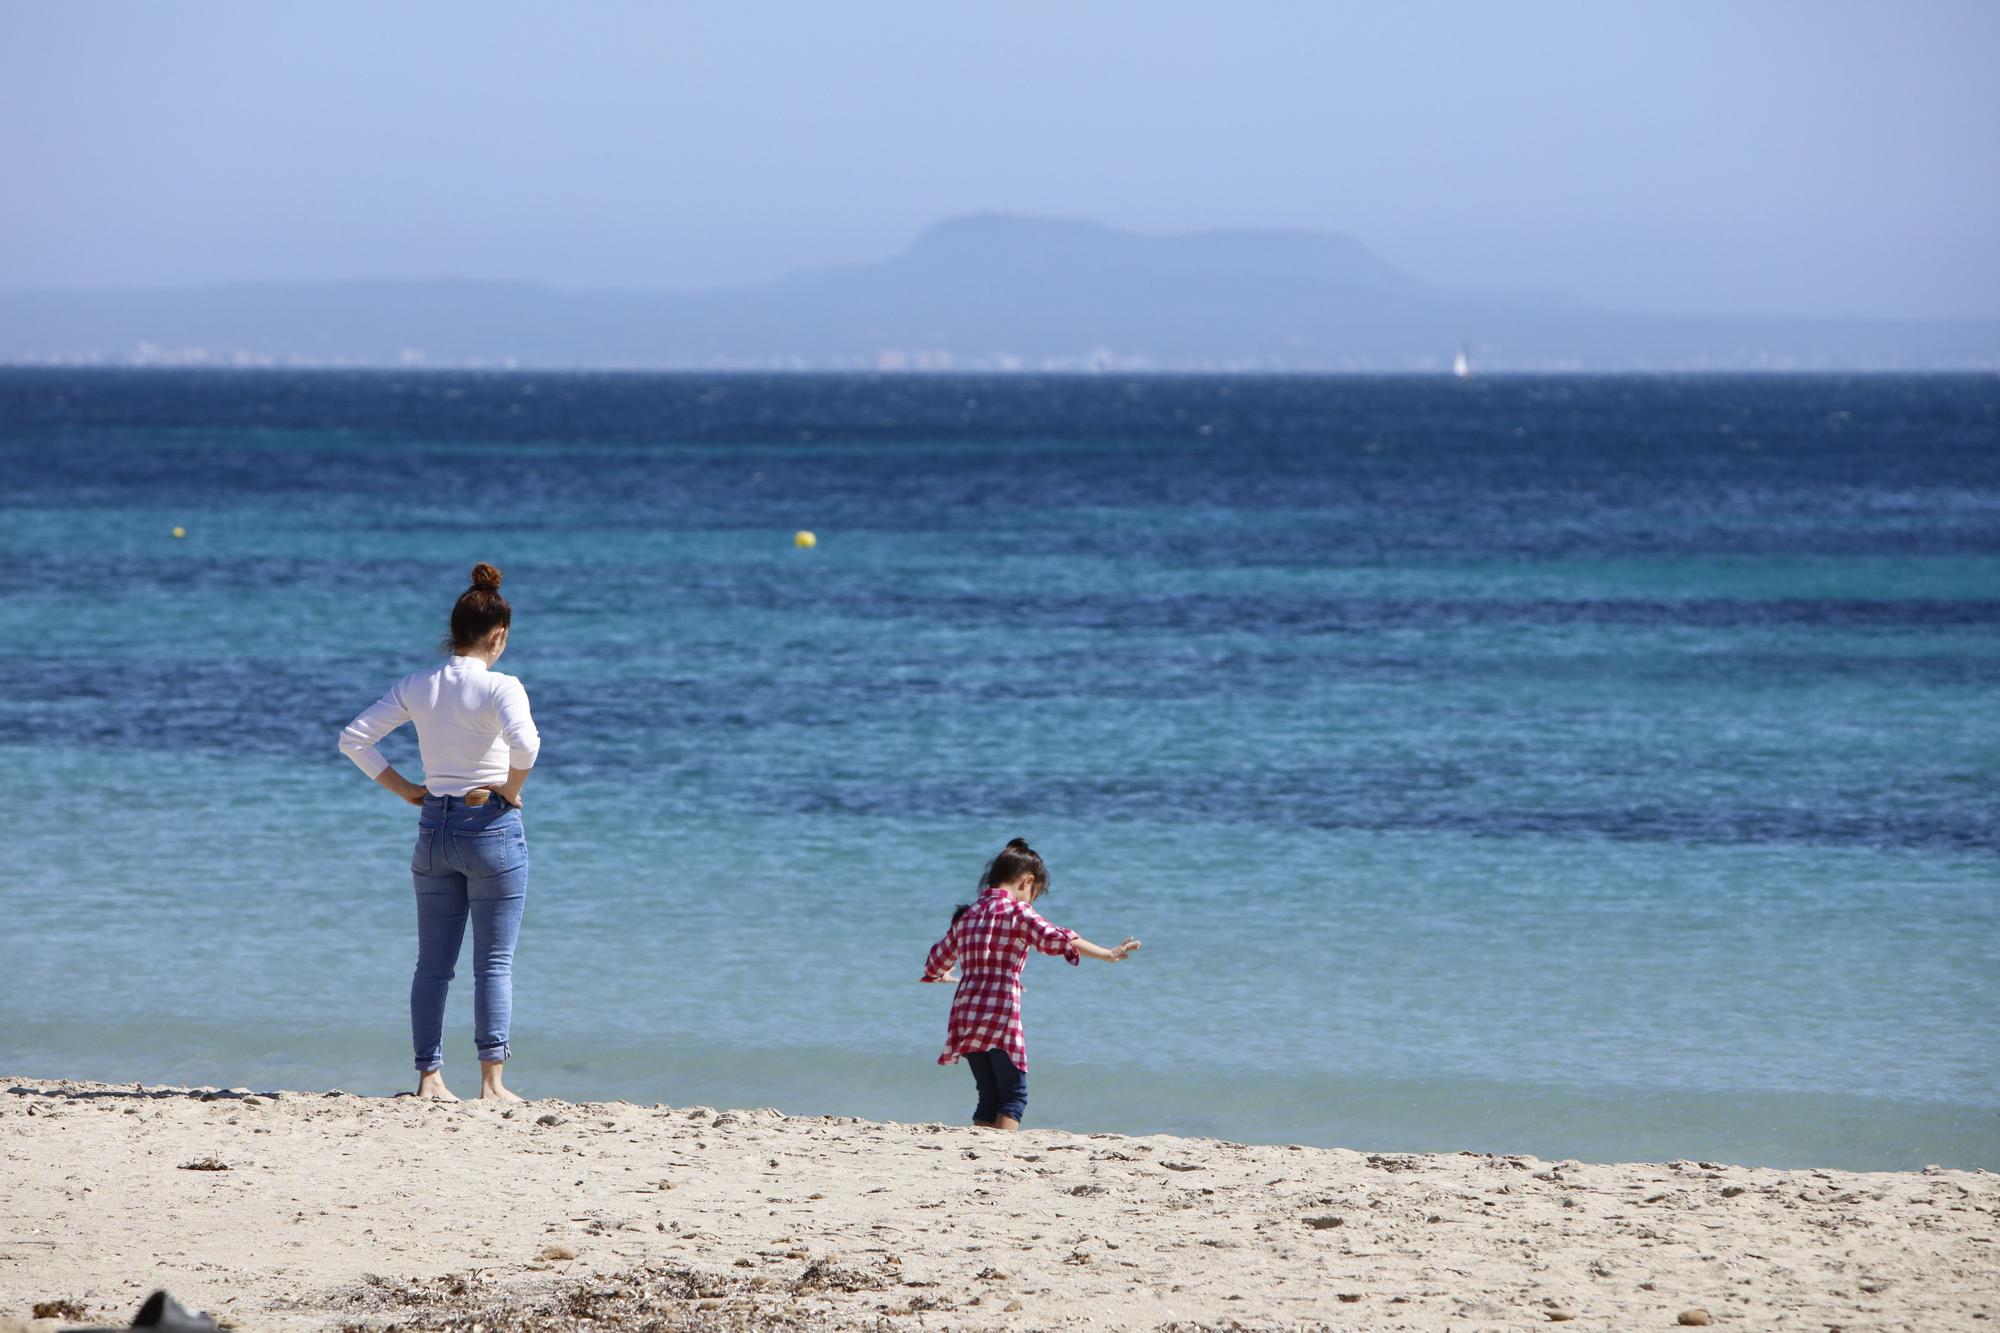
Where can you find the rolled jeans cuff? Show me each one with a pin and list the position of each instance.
(489, 1055)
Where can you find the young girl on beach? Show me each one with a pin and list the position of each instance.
(991, 938)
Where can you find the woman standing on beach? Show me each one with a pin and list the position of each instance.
(478, 742)
(990, 938)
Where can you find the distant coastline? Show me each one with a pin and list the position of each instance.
(197, 364)
(986, 294)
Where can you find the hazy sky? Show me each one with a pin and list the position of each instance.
(1725, 157)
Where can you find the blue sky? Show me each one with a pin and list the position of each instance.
(1825, 158)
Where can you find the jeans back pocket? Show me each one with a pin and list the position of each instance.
(491, 851)
(424, 855)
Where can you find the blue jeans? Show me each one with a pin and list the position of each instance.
(470, 860)
(1003, 1089)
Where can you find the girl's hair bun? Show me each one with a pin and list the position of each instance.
(1016, 859)
(486, 576)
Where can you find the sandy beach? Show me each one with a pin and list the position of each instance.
(309, 1210)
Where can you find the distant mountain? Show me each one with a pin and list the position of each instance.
(985, 292)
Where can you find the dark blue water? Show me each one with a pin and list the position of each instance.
(1597, 767)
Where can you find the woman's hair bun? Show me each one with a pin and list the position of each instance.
(1017, 845)
(478, 611)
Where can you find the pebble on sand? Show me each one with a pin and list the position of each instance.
(1696, 1318)
(558, 1252)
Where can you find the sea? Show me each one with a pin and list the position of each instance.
(1590, 767)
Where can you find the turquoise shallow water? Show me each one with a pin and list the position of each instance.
(1595, 768)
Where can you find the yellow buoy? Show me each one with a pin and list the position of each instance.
(804, 540)
(180, 532)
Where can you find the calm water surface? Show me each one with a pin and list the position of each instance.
(1588, 767)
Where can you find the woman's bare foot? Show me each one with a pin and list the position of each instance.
(430, 1087)
(490, 1086)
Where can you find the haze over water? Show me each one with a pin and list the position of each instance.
(1587, 767)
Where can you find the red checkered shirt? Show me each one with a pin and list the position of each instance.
(990, 944)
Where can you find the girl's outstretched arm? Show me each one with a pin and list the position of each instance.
(943, 954)
(1117, 955)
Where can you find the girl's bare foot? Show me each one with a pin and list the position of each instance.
(490, 1086)
(430, 1087)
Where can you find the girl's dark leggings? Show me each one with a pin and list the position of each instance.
(1003, 1089)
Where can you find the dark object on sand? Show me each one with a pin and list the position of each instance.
(163, 1312)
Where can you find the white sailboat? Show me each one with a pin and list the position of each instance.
(1461, 365)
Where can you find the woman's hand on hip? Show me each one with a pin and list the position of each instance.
(413, 792)
(510, 790)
